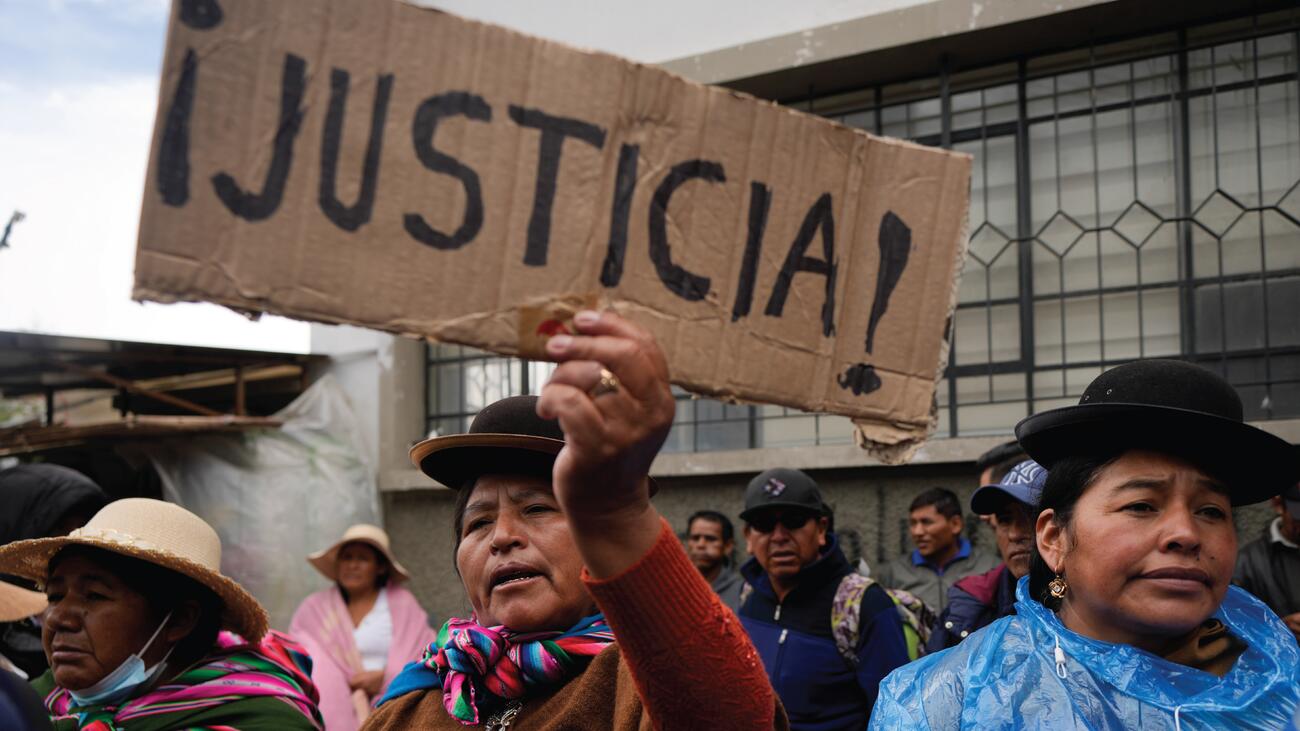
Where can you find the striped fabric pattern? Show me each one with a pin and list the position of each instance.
(276, 667)
(470, 658)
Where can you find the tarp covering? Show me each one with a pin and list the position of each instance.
(275, 495)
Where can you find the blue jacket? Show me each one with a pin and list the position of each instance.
(973, 603)
(820, 690)
(1006, 677)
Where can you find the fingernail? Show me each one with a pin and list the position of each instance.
(587, 317)
(559, 343)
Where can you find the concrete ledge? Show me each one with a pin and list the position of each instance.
(920, 22)
(935, 451)
(403, 480)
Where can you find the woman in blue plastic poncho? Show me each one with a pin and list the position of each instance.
(1127, 619)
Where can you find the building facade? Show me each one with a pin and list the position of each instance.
(1135, 194)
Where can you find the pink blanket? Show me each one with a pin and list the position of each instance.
(324, 628)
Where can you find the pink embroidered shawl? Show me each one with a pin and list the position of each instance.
(324, 628)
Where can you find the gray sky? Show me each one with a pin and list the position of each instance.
(78, 90)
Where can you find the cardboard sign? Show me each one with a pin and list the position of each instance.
(395, 167)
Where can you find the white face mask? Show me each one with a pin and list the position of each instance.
(120, 684)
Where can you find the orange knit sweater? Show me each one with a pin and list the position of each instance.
(692, 661)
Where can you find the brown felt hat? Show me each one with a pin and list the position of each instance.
(506, 437)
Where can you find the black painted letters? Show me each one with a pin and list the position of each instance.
(611, 271)
(174, 151)
(822, 216)
(257, 206)
(684, 284)
(554, 130)
(760, 202)
(350, 218)
(451, 104)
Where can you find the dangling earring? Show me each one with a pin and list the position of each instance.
(1057, 587)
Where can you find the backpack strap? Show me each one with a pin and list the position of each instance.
(846, 617)
(918, 620)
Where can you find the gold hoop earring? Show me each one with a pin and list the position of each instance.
(1057, 587)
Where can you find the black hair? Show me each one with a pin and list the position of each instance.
(1066, 482)
(728, 531)
(165, 590)
(385, 568)
(944, 501)
(458, 518)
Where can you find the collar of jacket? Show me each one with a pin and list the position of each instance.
(1275, 533)
(830, 564)
(963, 551)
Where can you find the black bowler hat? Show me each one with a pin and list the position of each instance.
(1172, 407)
(506, 437)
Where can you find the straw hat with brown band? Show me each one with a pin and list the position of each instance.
(157, 532)
(19, 603)
(327, 561)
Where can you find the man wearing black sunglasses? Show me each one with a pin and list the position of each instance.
(800, 589)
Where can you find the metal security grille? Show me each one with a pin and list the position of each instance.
(1134, 208)
(1131, 200)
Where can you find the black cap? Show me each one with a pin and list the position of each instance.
(783, 488)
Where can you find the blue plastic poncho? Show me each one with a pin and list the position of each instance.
(1006, 676)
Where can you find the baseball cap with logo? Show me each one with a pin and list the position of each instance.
(783, 488)
(1023, 483)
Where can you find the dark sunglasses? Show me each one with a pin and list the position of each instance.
(766, 523)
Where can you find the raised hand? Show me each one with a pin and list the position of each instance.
(613, 401)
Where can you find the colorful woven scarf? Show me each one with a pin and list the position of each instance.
(276, 667)
(468, 658)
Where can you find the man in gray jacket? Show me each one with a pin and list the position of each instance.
(1269, 567)
(942, 556)
(710, 543)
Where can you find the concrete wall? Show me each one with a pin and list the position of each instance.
(383, 376)
(419, 525)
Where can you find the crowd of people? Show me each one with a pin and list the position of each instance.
(1118, 597)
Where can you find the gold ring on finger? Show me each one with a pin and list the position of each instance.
(608, 383)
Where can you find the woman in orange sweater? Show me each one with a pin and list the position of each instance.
(587, 613)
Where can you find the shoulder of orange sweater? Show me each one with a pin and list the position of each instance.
(685, 649)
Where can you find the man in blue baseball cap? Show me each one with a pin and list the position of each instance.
(976, 601)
